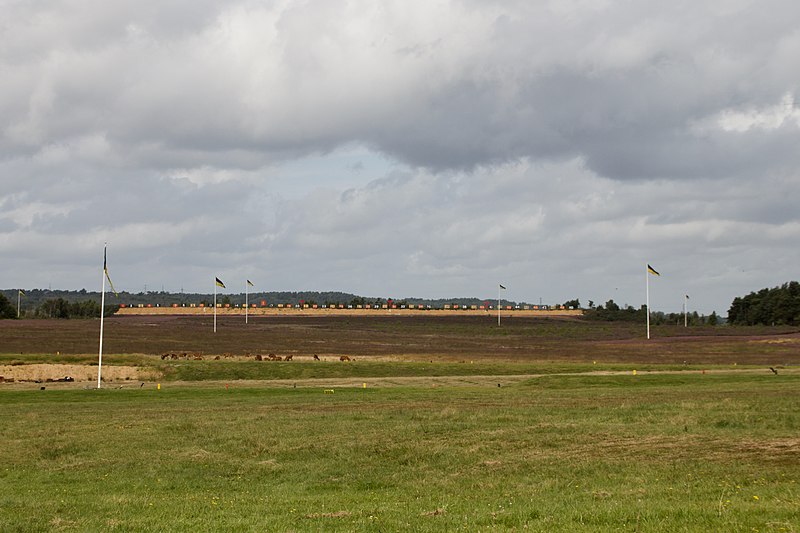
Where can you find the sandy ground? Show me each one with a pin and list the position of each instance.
(80, 373)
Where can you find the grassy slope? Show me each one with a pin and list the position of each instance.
(646, 453)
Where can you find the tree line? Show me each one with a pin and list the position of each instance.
(57, 308)
(778, 305)
(613, 312)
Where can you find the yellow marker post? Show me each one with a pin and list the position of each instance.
(158, 386)
(363, 385)
(634, 372)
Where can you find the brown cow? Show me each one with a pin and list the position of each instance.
(316, 357)
(344, 358)
(289, 357)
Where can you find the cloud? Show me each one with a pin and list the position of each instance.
(442, 144)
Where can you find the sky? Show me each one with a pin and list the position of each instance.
(414, 148)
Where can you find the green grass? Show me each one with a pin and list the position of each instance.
(687, 452)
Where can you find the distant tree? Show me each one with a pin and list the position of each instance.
(7, 310)
(612, 312)
(713, 319)
(576, 303)
(61, 308)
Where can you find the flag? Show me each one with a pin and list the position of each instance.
(687, 296)
(652, 271)
(219, 282)
(21, 292)
(250, 283)
(501, 286)
(105, 270)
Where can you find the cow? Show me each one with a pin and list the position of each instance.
(344, 358)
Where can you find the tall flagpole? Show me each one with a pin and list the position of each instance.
(246, 306)
(215, 305)
(102, 315)
(498, 305)
(647, 289)
(685, 310)
(19, 295)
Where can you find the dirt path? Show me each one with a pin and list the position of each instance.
(120, 377)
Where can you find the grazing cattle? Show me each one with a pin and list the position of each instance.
(316, 357)
(258, 357)
(344, 358)
(289, 357)
(216, 358)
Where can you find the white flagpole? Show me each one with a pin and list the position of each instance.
(498, 305)
(102, 314)
(215, 305)
(19, 295)
(246, 306)
(685, 311)
(647, 289)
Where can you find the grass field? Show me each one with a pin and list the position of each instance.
(615, 453)
(431, 444)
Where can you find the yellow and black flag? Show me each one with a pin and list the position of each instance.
(652, 270)
(105, 270)
(250, 283)
(219, 283)
(21, 292)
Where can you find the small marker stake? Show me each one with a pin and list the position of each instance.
(158, 386)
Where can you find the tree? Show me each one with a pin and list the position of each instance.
(576, 303)
(7, 310)
(713, 319)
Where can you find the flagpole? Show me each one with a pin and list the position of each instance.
(19, 295)
(102, 315)
(215, 305)
(685, 310)
(647, 290)
(498, 305)
(246, 306)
